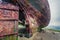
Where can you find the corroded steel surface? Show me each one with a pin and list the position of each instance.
(8, 18)
(7, 5)
(8, 11)
(37, 13)
(6, 27)
(8, 14)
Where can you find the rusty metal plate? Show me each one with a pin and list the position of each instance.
(8, 14)
(8, 6)
(8, 27)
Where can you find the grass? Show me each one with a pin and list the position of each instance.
(12, 37)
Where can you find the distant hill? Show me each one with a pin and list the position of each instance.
(55, 27)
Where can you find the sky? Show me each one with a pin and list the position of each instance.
(55, 12)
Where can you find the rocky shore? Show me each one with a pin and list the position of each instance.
(44, 35)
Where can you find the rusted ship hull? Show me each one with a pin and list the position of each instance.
(37, 13)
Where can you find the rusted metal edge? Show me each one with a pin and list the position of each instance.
(9, 9)
(8, 19)
(8, 35)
